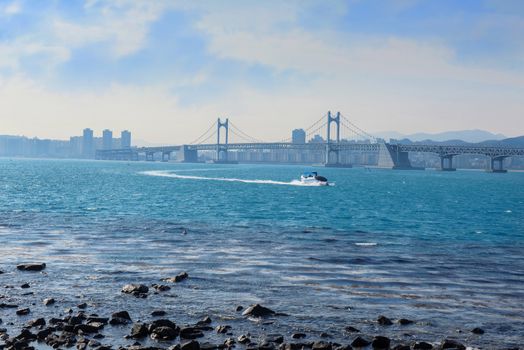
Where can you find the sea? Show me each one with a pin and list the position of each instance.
(444, 249)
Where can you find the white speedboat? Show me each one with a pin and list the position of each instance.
(313, 178)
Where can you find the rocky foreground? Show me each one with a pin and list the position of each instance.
(85, 330)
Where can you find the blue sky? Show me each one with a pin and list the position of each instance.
(167, 69)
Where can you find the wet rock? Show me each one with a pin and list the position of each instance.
(384, 321)
(85, 329)
(26, 335)
(209, 346)
(21, 312)
(223, 329)
(158, 313)
(324, 335)
(405, 322)
(381, 342)
(298, 335)
(452, 344)
(258, 310)
(344, 347)
(25, 286)
(162, 323)
(172, 347)
(192, 345)
(135, 289)
(119, 318)
(73, 320)
(94, 344)
(295, 346)
(117, 321)
(31, 267)
(41, 335)
(82, 306)
(164, 333)
(360, 342)
(49, 301)
(161, 287)
(103, 320)
(97, 325)
(139, 330)
(244, 339)
(190, 333)
(205, 320)
(178, 278)
(229, 342)
(351, 329)
(36, 323)
(477, 331)
(274, 338)
(402, 347)
(239, 308)
(321, 345)
(422, 346)
(8, 306)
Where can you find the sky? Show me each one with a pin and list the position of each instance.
(166, 70)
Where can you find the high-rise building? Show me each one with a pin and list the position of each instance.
(88, 147)
(298, 136)
(107, 137)
(125, 139)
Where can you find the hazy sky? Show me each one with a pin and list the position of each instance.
(167, 69)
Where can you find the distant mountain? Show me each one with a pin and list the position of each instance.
(469, 136)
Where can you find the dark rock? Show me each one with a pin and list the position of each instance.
(161, 287)
(244, 339)
(26, 335)
(36, 323)
(452, 344)
(360, 342)
(164, 333)
(381, 342)
(344, 347)
(405, 322)
(477, 331)
(223, 329)
(157, 313)
(351, 329)
(21, 312)
(422, 346)
(73, 320)
(97, 325)
(122, 314)
(258, 310)
(324, 335)
(321, 345)
(94, 344)
(116, 321)
(103, 320)
(274, 338)
(190, 333)
(192, 345)
(229, 342)
(402, 347)
(98, 336)
(139, 330)
(25, 286)
(135, 289)
(384, 321)
(44, 333)
(178, 278)
(298, 335)
(31, 267)
(8, 306)
(85, 328)
(239, 308)
(172, 347)
(205, 320)
(82, 306)
(162, 323)
(209, 346)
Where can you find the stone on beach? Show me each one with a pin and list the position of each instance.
(223, 329)
(258, 310)
(164, 333)
(405, 321)
(381, 342)
(49, 301)
(139, 330)
(452, 344)
(190, 333)
(360, 342)
(135, 288)
(192, 345)
(477, 331)
(31, 267)
(422, 346)
(21, 312)
(157, 313)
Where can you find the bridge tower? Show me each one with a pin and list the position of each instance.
(329, 145)
(496, 164)
(222, 147)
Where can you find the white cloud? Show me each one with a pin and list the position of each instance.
(11, 9)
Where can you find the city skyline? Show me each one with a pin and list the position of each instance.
(167, 69)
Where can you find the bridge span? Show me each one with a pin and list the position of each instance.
(390, 155)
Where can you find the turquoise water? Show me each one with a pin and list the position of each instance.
(444, 249)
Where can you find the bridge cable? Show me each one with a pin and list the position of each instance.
(198, 140)
(359, 129)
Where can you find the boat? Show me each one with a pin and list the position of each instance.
(313, 178)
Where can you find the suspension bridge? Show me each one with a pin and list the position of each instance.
(227, 143)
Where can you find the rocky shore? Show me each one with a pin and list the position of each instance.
(77, 327)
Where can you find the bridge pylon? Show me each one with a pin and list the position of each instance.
(329, 144)
(496, 164)
(222, 148)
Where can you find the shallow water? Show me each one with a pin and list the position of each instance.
(444, 249)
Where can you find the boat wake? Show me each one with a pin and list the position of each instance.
(164, 173)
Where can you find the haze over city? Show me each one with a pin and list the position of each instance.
(167, 69)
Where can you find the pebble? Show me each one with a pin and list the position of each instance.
(384, 321)
(21, 312)
(25, 286)
(477, 331)
(298, 335)
(405, 322)
(258, 310)
(157, 313)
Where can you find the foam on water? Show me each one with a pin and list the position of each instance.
(164, 173)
